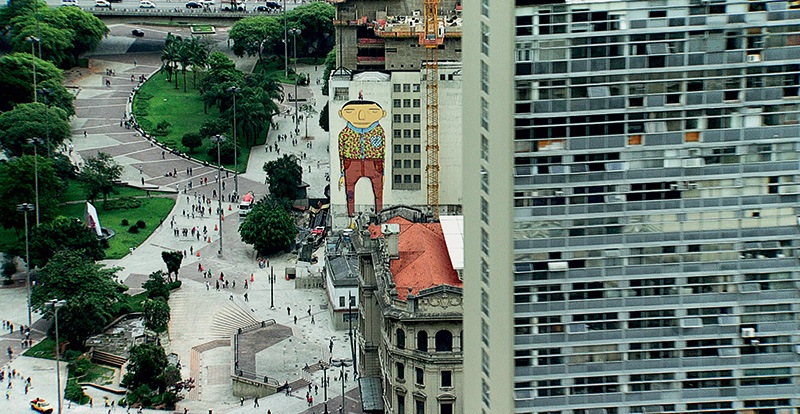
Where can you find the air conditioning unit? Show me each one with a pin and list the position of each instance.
(748, 333)
(674, 187)
(559, 193)
(754, 58)
(755, 342)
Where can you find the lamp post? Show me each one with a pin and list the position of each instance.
(55, 305)
(325, 385)
(295, 33)
(285, 44)
(350, 323)
(33, 41)
(46, 93)
(271, 287)
(36, 142)
(219, 138)
(234, 90)
(342, 363)
(25, 208)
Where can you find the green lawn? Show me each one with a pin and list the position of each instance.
(45, 349)
(153, 211)
(76, 192)
(158, 100)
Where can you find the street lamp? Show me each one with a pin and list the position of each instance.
(295, 33)
(342, 363)
(234, 90)
(55, 305)
(219, 138)
(285, 45)
(36, 142)
(25, 208)
(46, 93)
(325, 385)
(271, 287)
(350, 322)
(33, 41)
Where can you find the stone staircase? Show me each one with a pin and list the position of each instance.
(230, 318)
(105, 358)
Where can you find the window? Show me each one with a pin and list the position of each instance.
(340, 94)
(420, 376)
(485, 302)
(407, 118)
(398, 179)
(484, 38)
(416, 149)
(406, 133)
(484, 76)
(398, 149)
(447, 378)
(406, 87)
(396, 103)
(407, 164)
(485, 8)
(422, 341)
(484, 210)
(407, 149)
(484, 113)
(401, 338)
(407, 179)
(549, 356)
(484, 271)
(416, 118)
(446, 408)
(708, 379)
(416, 103)
(549, 388)
(484, 148)
(595, 385)
(341, 301)
(406, 103)
(401, 371)
(401, 404)
(397, 133)
(484, 241)
(397, 118)
(417, 178)
(485, 392)
(417, 133)
(652, 350)
(396, 87)
(485, 332)
(444, 341)
(415, 87)
(416, 163)
(398, 164)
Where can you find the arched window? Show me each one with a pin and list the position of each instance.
(401, 339)
(444, 341)
(422, 341)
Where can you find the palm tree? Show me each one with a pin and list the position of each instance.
(169, 54)
(199, 58)
(185, 53)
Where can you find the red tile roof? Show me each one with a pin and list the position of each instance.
(424, 261)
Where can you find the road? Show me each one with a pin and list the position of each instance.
(178, 6)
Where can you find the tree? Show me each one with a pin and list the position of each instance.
(88, 288)
(316, 22)
(254, 35)
(330, 66)
(225, 151)
(98, 175)
(156, 314)
(192, 140)
(323, 118)
(173, 261)
(284, 175)
(156, 285)
(89, 31)
(32, 120)
(16, 84)
(146, 366)
(268, 227)
(63, 234)
(308, 111)
(169, 55)
(17, 186)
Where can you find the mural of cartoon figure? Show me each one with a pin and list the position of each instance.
(362, 146)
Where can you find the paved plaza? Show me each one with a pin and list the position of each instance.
(202, 316)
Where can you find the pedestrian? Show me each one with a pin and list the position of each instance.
(312, 320)
(295, 319)
(316, 389)
(231, 296)
(288, 313)
(330, 346)
(245, 283)
(84, 134)
(309, 310)
(208, 286)
(241, 401)
(255, 402)
(245, 297)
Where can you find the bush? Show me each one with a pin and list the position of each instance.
(133, 229)
(174, 285)
(74, 392)
(143, 96)
(162, 128)
(124, 222)
(123, 203)
(141, 224)
(71, 355)
(9, 266)
(80, 367)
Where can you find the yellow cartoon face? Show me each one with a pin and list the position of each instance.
(362, 114)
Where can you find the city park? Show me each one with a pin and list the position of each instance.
(197, 106)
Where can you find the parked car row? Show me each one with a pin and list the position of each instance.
(270, 6)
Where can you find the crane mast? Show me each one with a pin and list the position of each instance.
(432, 38)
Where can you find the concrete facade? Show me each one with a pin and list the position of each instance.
(634, 167)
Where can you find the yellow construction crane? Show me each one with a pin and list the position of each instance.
(432, 38)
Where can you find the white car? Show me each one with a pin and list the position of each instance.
(207, 2)
(102, 3)
(146, 4)
(70, 3)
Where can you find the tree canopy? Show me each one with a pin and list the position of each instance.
(156, 314)
(268, 227)
(99, 174)
(156, 285)
(254, 35)
(32, 120)
(284, 176)
(173, 261)
(63, 233)
(146, 365)
(89, 289)
(17, 186)
(16, 84)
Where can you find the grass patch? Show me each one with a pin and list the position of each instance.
(83, 370)
(131, 304)
(76, 192)
(203, 29)
(45, 349)
(158, 100)
(152, 211)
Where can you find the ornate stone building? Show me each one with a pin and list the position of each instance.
(410, 332)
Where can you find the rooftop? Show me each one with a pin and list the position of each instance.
(424, 259)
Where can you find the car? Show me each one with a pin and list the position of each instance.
(70, 3)
(137, 32)
(102, 3)
(318, 231)
(146, 4)
(274, 5)
(194, 5)
(42, 406)
(207, 2)
(262, 9)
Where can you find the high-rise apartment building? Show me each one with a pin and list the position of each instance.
(634, 168)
